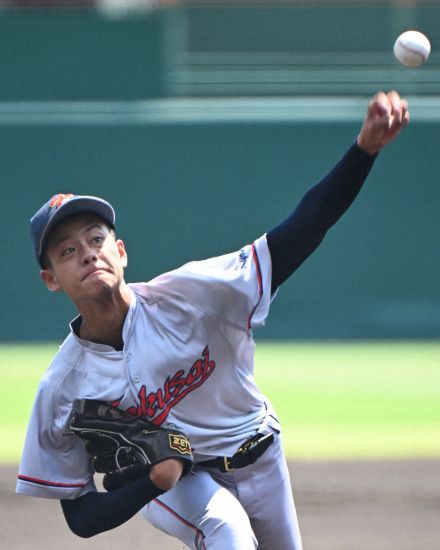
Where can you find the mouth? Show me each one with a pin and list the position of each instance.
(95, 272)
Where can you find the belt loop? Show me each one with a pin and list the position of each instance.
(227, 464)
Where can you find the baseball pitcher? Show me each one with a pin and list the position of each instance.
(154, 385)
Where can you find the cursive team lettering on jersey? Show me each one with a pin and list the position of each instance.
(156, 405)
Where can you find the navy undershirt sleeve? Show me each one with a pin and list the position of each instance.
(293, 240)
(96, 512)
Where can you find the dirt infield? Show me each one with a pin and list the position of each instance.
(365, 505)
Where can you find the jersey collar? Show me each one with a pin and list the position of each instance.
(126, 330)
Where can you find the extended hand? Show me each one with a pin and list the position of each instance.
(387, 115)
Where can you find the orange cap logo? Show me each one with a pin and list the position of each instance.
(58, 200)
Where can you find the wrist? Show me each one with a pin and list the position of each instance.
(366, 148)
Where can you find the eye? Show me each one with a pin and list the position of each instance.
(68, 250)
(98, 239)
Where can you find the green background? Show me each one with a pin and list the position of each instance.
(204, 127)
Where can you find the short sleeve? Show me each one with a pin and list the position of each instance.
(54, 464)
(235, 286)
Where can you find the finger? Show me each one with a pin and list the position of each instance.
(405, 112)
(395, 126)
(400, 113)
(379, 105)
(399, 108)
(396, 106)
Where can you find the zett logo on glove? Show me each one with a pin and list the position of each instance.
(180, 444)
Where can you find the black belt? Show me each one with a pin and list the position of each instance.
(248, 453)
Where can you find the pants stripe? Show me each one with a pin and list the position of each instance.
(200, 537)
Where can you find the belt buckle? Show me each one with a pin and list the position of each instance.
(226, 464)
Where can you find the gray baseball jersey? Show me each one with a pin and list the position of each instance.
(188, 361)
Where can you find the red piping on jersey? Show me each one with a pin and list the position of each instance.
(260, 282)
(199, 533)
(49, 483)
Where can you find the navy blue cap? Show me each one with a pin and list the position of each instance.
(62, 206)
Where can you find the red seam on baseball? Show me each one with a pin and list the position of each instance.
(408, 49)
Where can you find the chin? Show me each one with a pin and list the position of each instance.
(101, 286)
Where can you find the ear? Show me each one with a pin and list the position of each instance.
(122, 252)
(49, 279)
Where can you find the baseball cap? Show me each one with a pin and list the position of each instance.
(62, 206)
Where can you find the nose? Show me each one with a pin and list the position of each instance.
(89, 256)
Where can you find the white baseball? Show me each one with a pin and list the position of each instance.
(412, 48)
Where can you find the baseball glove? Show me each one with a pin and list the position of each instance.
(123, 446)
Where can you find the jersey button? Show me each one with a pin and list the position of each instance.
(136, 378)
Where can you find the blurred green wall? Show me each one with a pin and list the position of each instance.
(78, 55)
(187, 186)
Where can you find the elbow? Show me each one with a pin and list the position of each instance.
(80, 523)
(83, 535)
(82, 531)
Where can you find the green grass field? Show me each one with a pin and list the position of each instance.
(335, 400)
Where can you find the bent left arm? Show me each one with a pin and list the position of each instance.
(94, 512)
(292, 241)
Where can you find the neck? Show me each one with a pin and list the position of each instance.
(103, 318)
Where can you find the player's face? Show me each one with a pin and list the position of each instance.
(84, 258)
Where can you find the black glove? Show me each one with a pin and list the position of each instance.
(123, 446)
